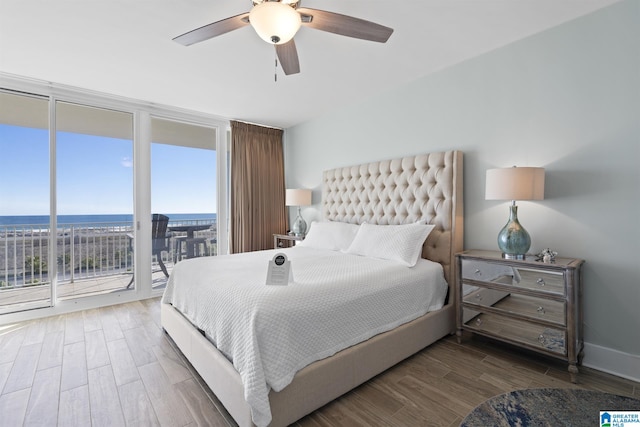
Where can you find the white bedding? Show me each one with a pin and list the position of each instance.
(270, 332)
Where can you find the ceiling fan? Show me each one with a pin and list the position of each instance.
(277, 21)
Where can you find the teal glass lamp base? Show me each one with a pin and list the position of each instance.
(513, 239)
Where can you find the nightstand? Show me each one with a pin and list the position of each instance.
(526, 303)
(285, 240)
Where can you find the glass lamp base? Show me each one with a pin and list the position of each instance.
(513, 239)
(299, 227)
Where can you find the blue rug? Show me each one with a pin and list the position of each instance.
(547, 407)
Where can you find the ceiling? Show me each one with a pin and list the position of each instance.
(124, 47)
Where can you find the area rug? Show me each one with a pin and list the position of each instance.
(547, 407)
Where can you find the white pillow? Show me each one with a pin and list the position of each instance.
(401, 243)
(335, 236)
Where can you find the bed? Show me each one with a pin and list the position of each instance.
(411, 190)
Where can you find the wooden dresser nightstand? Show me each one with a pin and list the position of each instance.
(285, 240)
(522, 302)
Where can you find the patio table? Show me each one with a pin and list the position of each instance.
(190, 240)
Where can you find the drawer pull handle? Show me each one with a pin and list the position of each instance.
(540, 281)
(479, 296)
(541, 310)
(542, 339)
(478, 322)
(478, 272)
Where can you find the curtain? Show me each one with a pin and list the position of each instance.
(257, 187)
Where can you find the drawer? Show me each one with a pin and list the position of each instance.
(486, 271)
(522, 305)
(545, 281)
(551, 282)
(539, 337)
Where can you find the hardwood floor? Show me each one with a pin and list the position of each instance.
(114, 366)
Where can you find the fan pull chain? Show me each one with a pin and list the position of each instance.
(275, 69)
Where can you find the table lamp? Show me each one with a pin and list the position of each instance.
(514, 184)
(298, 197)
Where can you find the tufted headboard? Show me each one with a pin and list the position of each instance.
(402, 191)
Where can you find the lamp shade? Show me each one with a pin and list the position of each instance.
(275, 22)
(297, 197)
(515, 184)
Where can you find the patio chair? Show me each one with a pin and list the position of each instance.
(159, 241)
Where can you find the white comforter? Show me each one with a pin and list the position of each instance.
(270, 332)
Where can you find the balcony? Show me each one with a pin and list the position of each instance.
(92, 258)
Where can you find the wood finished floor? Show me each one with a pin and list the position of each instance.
(114, 366)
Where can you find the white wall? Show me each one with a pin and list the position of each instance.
(567, 99)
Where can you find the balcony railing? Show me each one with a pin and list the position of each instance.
(84, 251)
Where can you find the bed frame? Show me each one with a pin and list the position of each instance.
(398, 191)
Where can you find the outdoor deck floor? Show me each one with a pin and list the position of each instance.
(13, 299)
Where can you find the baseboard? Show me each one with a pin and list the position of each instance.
(611, 361)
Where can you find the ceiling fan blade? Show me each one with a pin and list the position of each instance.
(288, 56)
(213, 30)
(345, 25)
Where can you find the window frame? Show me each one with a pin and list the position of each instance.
(142, 115)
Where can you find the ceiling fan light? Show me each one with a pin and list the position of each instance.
(275, 22)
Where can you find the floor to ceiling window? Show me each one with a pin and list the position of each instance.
(25, 263)
(183, 194)
(94, 199)
(81, 175)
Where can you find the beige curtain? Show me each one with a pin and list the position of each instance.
(257, 187)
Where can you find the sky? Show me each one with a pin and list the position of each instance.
(95, 175)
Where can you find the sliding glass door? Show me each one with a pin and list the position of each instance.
(183, 194)
(70, 170)
(94, 194)
(25, 263)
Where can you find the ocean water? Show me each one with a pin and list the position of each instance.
(94, 219)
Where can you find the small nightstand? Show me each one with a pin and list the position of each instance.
(285, 240)
(522, 302)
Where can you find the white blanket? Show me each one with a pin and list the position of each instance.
(270, 332)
